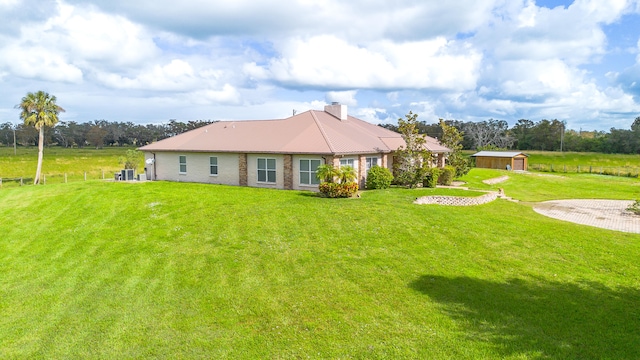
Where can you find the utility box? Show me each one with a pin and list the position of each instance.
(127, 175)
(142, 177)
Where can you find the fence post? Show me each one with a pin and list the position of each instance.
(21, 181)
(0, 183)
(551, 167)
(65, 178)
(565, 167)
(590, 169)
(85, 176)
(578, 169)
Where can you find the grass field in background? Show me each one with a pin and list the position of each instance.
(584, 159)
(176, 270)
(59, 161)
(595, 163)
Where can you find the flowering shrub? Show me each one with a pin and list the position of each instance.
(338, 190)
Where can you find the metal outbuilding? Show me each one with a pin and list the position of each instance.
(509, 160)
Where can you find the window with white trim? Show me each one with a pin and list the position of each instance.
(347, 162)
(266, 170)
(371, 162)
(308, 172)
(213, 166)
(182, 159)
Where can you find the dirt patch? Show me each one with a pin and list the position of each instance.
(496, 180)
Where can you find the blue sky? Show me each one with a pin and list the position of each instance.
(470, 60)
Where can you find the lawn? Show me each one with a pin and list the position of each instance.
(173, 270)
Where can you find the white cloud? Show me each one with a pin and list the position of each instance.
(467, 59)
(37, 62)
(343, 97)
(330, 62)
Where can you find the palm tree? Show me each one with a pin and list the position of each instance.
(327, 173)
(347, 174)
(39, 110)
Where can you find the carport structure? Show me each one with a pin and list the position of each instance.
(509, 160)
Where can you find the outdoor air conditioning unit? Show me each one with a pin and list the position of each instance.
(127, 175)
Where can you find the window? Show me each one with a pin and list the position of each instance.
(308, 172)
(371, 162)
(347, 162)
(266, 170)
(213, 166)
(183, 164)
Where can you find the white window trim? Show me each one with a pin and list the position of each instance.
(266, 162)
(314, 172)
(366, 162)
(354, 161)
(216, 165)
(181, 163)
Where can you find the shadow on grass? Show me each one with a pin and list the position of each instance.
(538, 318)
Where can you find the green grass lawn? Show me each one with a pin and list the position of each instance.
(59, 161)
(175, 270)
(535, 186)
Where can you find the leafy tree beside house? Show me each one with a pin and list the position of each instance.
(39, 110)
(411, 162)
(452, 138)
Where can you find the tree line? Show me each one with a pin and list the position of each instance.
(550, 135)
(98, 133)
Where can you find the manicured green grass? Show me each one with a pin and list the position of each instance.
(174, 270)
(534, 186)
(59, 161)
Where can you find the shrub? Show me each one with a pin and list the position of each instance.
(635, 207)
(446, 175)
(378, 178)
(431, 177)
(338, 190)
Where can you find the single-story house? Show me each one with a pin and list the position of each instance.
(281, 154)
(509, 160)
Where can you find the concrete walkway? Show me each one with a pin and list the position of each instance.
(606, 214)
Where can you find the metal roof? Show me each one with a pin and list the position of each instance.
(310, 132)
(502, 154)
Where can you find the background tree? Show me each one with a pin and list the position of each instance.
(412, 161)
(39, 110)
(491, 132)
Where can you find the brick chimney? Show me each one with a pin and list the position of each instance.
(338, 110)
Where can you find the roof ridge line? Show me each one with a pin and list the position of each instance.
(324, 134)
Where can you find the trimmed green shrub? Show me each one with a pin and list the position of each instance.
(431, 177)
(446, 175)
(378, 178)
(338, 190)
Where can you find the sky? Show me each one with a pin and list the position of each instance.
(149, 61)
